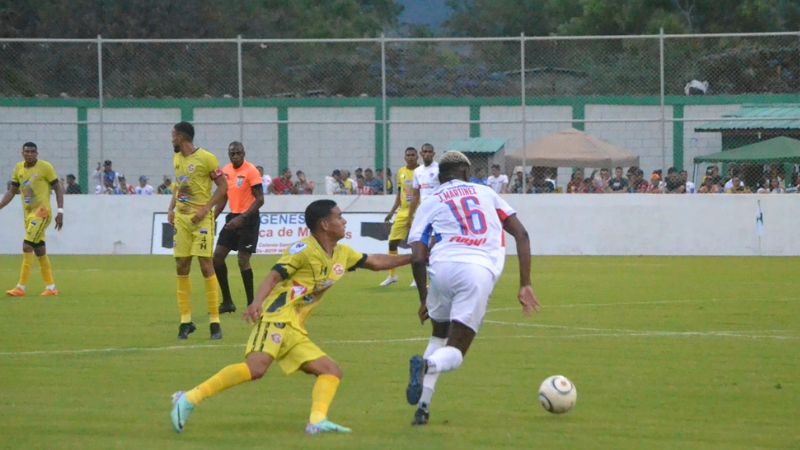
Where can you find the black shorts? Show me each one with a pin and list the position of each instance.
(241, 239)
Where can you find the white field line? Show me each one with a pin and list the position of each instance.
(759, 334)
(644, 303)
(593, 332)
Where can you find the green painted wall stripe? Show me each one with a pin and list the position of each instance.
(405, 102)
(677, 137)
(187, 113)
(475, 114)
(283, 139)
(378, 157)
(578, 114)
(83, 150)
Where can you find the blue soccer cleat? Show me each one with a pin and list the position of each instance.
(181, 410)
(416, 370)
(325, 426)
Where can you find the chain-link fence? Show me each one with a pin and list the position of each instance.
(321, 105)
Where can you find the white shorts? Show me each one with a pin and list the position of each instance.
(460, 292)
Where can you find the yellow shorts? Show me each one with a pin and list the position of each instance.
(285, 344)
(36, 223)
(400, 228)
(193, 239)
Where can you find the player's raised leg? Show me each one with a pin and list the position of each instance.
(329, 376)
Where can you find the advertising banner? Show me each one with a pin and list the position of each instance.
(365, 232)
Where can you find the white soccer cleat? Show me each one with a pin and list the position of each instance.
(389, 281)
(413, 284)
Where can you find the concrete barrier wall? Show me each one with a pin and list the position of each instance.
(559, 224)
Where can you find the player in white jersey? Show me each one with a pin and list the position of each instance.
(466, 222)
(426, 180)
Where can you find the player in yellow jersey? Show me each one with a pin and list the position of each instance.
(190, 212)
(402, 222)
(34, 178)
(286, 297)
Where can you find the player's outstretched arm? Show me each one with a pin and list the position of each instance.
(379, 261)
(526, 296)
(9, 195)
(56, 186)
(253, 311)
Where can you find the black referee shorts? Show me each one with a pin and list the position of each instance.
(244, 239)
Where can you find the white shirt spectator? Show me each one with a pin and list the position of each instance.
(144, 190)
(690, 188)
(426, 179)
(266, 180)
(498, 183)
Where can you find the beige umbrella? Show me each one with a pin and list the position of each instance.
(572, 148)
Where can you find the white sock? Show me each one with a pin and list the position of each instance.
(429, 380)
(51, 287)
(444, 359)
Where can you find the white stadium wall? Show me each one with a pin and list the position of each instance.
(559, 224)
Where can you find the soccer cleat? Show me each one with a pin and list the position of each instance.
(16, 292)
(185, 329)
(388, 281)
(421, 416)
(181, 410)
(49, 293)
(325, 426)
(416, 370)
(216, 331)
(227, 307)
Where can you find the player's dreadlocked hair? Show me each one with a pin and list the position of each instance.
(452, 165)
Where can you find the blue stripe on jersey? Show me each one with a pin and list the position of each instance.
(426, 235)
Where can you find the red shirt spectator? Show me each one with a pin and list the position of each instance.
(282, 185)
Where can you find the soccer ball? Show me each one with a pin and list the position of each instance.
(557, 394)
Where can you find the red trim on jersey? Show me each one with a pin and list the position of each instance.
(216, 173)
(502, 216)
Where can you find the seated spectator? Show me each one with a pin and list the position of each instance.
(674, 184)
(72, 186)
(577, 185)
(105, 174)
(735, 185)
(498, 181)
(518, 185)
(371, 182)
(349, 183)
(143, 188)
(636, 182)
(618, 183)
(655, 183)
(334, 184)
(107, 188)
(389, 182)
(124, 187)
(302, 186)
(477, 177)
(362, 188)
(165, 187)
(282, 185)
(688, 186)
(266, 180)
(539, 184)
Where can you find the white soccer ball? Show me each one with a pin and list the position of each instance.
(557, 394)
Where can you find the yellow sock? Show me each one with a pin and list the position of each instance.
(185, 298)
(226, 378)
(212, 298)
(391, 271)
(322, 397)
(25, 270)
(47, 270)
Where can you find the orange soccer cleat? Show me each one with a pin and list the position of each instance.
(16, 292)
(49, 293)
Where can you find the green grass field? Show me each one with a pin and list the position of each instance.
(695, 353)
